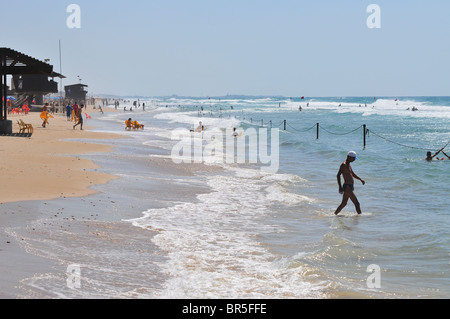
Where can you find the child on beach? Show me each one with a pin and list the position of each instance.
(347, 190)
(45, 116)
(80, 120)
(137, 125)
(128, 124)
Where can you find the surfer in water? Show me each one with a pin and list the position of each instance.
(347, 190)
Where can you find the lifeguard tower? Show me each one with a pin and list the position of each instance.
(76, 92)
(19, 65)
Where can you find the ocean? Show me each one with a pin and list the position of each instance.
(209, 215)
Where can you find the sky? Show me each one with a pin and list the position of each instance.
(248, 47)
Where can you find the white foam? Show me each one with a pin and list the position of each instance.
(278, 193)
(212, 243)
(378, 107)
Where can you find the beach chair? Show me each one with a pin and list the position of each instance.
(21, 127)
(25, 127)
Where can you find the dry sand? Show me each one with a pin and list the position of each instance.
(36, 169)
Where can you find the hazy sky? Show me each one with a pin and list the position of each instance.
(254, 47)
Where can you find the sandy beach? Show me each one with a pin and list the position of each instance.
(139, 225)
(37, 169)
(74, 211)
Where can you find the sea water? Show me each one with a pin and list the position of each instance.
(264, 234)
(257, 233)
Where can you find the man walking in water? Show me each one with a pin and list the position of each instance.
(347, 189)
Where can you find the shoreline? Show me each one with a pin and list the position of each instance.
(90, 219)
(38, 170)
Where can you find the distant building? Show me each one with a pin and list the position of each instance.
(76, 92)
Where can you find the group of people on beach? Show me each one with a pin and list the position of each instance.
(75, 113)
(133, 125)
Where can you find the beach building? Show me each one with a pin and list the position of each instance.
(14, 63)
(33, 87)
(76, 92)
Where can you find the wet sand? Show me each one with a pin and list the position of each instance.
(42, 167)
(82, 223)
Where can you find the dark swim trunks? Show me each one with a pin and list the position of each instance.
(351, 186)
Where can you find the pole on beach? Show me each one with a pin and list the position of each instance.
(285, 125)
(60, 80)
(364, 133)
(5, 96)
(3, 102)
(318, 125)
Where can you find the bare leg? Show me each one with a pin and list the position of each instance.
(356, 202)
(345, 198)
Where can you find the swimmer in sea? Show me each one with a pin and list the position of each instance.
(347, 190)
(430, 157)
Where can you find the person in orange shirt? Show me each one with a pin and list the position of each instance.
(129, 124)
(45, 116)
(137, 126)
(80, 120)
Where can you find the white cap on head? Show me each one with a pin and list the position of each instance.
(352, 154)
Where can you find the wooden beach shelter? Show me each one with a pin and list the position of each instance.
(29, 87)
(76, 92)
(16, 63)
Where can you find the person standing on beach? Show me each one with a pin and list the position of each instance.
(45, 115)
(80, 119)
(68, 111)
(347, 190)
(75, 108)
